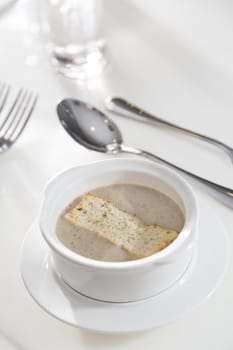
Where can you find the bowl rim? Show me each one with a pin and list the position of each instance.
(190, 222)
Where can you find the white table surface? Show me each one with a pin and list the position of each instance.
(174, 58)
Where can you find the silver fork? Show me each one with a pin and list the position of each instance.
(17, 117)
(127, 109)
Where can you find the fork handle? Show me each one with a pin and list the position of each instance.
(127, 109)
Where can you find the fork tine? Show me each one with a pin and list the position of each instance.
(14, 105)
(25, 112)
(16, 113)
(4, 92)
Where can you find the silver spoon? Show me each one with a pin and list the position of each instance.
(94, 130)
(127, 109)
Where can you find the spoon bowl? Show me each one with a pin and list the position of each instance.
(88, 126)
(94, 130)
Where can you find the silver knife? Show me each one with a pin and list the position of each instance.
(129, 110)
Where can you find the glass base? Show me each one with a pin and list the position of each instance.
(83, 66)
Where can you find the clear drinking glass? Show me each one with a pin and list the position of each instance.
(73, 30)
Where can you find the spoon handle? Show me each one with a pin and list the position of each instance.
(127, 109)
(223, 194)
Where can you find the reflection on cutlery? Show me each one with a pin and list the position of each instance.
(127, 109)
(13, 122)
(94, 130)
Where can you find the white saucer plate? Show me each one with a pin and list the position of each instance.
(199, 281)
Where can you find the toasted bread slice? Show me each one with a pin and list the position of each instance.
(119, 227)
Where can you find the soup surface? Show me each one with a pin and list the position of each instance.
(151, 206)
